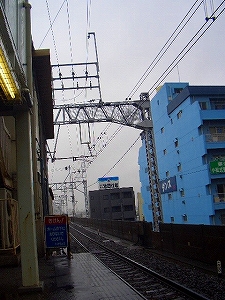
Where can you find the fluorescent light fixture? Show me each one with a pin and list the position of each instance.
(7, 81)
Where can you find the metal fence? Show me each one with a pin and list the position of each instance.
(204, 243)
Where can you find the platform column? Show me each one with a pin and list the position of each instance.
(29, 259)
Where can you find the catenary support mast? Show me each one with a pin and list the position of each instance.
(152, 166)
(136, 114)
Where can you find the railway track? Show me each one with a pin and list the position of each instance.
(148, 283)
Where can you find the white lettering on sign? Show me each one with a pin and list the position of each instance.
(166, 185)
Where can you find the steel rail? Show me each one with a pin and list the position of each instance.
(170, 283)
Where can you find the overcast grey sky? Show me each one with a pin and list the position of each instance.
(129, 35)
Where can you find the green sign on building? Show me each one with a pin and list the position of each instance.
(217, 167)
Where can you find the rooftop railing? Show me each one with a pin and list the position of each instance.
(220, 197)
(215, 137)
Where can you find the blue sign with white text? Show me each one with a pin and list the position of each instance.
(56, 232)
(168, 185)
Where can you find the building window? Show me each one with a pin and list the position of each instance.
(128, 208)
(182, 192)
(116, 208)
(204, 159)
(162, 129)
(106, 210)
(164, 151)
(217, 103)
(176, 143)
(217, 133)
(167, 173)
(127, 194)
(172, 219)
(115, 196)
(170, 196)
(203, 105)
(220, 105)
(105, 197)
(218, 157)
(200, 130)
(171, 121)
(177, 90)
(217, 129)
(184, 217)
(179, 168)
(179, 114)
(208, 189)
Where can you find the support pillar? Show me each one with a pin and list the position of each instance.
(29, 258)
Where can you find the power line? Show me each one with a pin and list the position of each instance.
(186, 49)
(161, 53)
(119, 160)
(178, 58)
(166, 46)
(51, 24)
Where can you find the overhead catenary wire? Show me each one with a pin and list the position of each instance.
(119, 160)
(185, 50)
(51, 24)
(175, 65)
(53, 36)
(186, 19)
(161, 53)
(164, 74)
(88, 25)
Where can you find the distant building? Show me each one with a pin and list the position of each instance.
(140, 213)
(113, 204)
(189, 128)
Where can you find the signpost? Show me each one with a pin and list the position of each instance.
(56, 232)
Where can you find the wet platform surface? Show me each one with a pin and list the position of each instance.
(83, 277)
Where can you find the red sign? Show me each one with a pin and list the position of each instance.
(55, 220)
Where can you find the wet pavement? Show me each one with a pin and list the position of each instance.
(82, 278)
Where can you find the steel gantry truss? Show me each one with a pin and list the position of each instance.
(127, 113)
(136, 114)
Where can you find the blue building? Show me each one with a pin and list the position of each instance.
(189, 128)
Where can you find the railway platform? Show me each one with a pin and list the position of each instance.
(82, 278)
